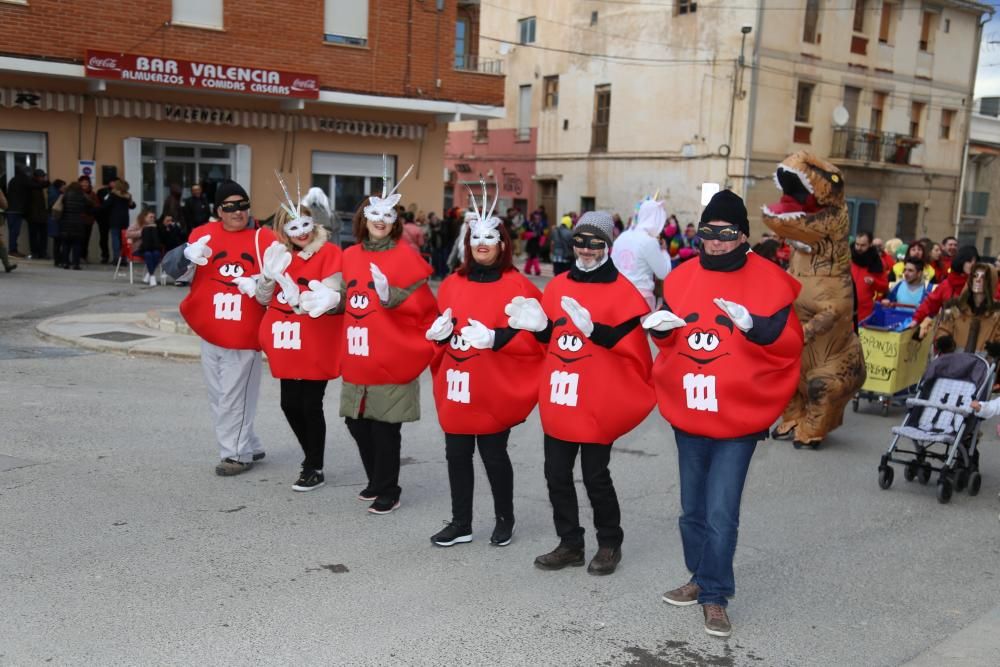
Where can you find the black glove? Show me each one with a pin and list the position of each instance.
(945, 344)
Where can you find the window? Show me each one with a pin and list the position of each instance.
(346, 22)
(593, 18)
(686, 7)
(987, 246)
(906, 221)
(852, 96)
(482, 133)
(862, 214)
(916, 112)
(587, 204)
(860, 6)
(809, 31)
(200, 13)
(802, 133)
(526, 30)
(885, 25)
(927, 22)
(990, 106)
(551, 100)
(602, 118)
(524, 113)
(947, 29)
(878, 106)
(461, 44)
(947, 118)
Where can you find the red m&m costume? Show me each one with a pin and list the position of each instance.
(709, 368)
(476, 391)
(300, 347)
(385, 345)
(589, 393)
(215, 308)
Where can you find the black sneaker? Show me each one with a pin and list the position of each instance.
(503, 532)
(451, 534)
(309, 480)
(367, 495)
(384, 505)
(259, 456)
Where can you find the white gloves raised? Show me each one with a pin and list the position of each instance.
(663, 320)
(246, 285)
(381, 283)
(199, 252)
(737, 313)
(319, 299)
(478, 335)
(579, 315)
(441, 328)
(526, 313)
(276, 260)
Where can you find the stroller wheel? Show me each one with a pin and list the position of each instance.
(961, 480)
(910, 471)
(885, 475)
(924, 474)
(975, 481)
(944, 490)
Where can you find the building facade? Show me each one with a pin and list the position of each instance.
(979, 223)
(624, 100)
(181, 92)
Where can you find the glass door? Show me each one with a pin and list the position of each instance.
(181, 165)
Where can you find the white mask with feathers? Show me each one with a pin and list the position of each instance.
(383, 209)
(297, 224)
(484, 228)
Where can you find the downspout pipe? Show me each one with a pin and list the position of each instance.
(752, 114)
(968, 123)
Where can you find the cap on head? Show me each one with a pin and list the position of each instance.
(727, 206)
(598, 223)
(228, 189)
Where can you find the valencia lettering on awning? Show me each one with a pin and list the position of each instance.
(177, 73)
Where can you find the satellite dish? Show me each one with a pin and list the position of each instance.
(841, 116)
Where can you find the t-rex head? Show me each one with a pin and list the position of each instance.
(811, 209)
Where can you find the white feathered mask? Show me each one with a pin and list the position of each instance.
(484, 227)
(297, 224)
(383, 209)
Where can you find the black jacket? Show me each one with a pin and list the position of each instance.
(116, 208)
(19, 191)
(73, 223)
(196, 211)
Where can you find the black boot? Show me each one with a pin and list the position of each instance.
(560, 557)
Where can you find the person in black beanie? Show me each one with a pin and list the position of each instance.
(721, 380)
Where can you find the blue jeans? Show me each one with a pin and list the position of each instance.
(152, 258)
(712, 476)
(14, 221)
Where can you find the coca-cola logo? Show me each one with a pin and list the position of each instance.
(304, 84)
(102, 63)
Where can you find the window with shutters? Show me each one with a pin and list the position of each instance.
(602, 118)
(551, 100)
(197, 13)
(686, 7)
(947, 119)
(802, 134)
(810, 30)
(345, 22)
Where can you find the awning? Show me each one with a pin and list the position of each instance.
(22, 98)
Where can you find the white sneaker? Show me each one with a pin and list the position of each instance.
(152, 281)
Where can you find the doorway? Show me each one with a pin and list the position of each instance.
(17, 149)
(548, 191)
(183, 164)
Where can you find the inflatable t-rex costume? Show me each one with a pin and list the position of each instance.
(813, 216)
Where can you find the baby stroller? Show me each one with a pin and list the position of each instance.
(943, 428)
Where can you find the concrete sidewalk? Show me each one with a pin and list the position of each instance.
(155, 333)
(977, 645)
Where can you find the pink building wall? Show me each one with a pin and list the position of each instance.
(511, 162)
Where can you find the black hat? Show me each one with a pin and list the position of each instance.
(227, 189)
(727, 206)
(965, 253)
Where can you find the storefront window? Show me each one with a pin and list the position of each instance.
(167, 164)
(26, 149)
(347, 178)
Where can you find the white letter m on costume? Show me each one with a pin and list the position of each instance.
(564, 388)
(700, 391)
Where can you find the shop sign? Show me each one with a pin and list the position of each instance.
(178, 73)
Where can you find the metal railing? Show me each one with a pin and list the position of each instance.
(471, 62)
(852, 143)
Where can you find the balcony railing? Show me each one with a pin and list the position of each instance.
(470, 62)
(852, 143)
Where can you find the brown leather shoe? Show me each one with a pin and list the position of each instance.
(716, 620)
(560, 557)
(685, 596)
(605, 560)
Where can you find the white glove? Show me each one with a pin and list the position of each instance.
(247, 285)
(442, 327)
(800, 246)
(276, 260)
(526, 314)
(478, 335)
(381, 283)
(289, 289)
(199, 252)
(663, 320)
(579, 315)
(737, 313)
(319, 299)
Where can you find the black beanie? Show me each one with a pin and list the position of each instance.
(727, 206)
(964, 254)
(227, 189)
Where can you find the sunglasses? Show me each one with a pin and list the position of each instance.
(233, 206)
(591, 242)
(716, 233)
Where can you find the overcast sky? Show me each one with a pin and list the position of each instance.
(988, 78)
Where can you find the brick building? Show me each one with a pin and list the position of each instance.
(187, 91)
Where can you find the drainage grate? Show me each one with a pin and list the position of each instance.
(118, 336)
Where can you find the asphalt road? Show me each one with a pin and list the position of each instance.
(120, 545)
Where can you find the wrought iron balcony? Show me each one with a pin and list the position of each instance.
(852, 143)
(470, 62)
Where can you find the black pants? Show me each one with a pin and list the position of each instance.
(493, 450)
(302, 403)
(69, 249)
(38, 239)
(560, 459)
(378, 444)
(88, 229)
(103, 228)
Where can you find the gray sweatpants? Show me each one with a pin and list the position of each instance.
(233, 381)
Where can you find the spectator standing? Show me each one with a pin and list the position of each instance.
(72, 224)
(637, 253)
(174, 204)
(949, 251)
(935, 260)
(55, 191)
(37, 215)
(949, 288)
(88, 191)
(562, 246)
(533, 244)
(413, 234)
(437, 242)
(8, 266)
(196, 210)
(102, 217)
(866, 269)
(117, 204)
(912, 289)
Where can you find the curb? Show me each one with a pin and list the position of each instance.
(75, 329)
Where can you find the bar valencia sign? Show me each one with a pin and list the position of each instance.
(178, 73)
